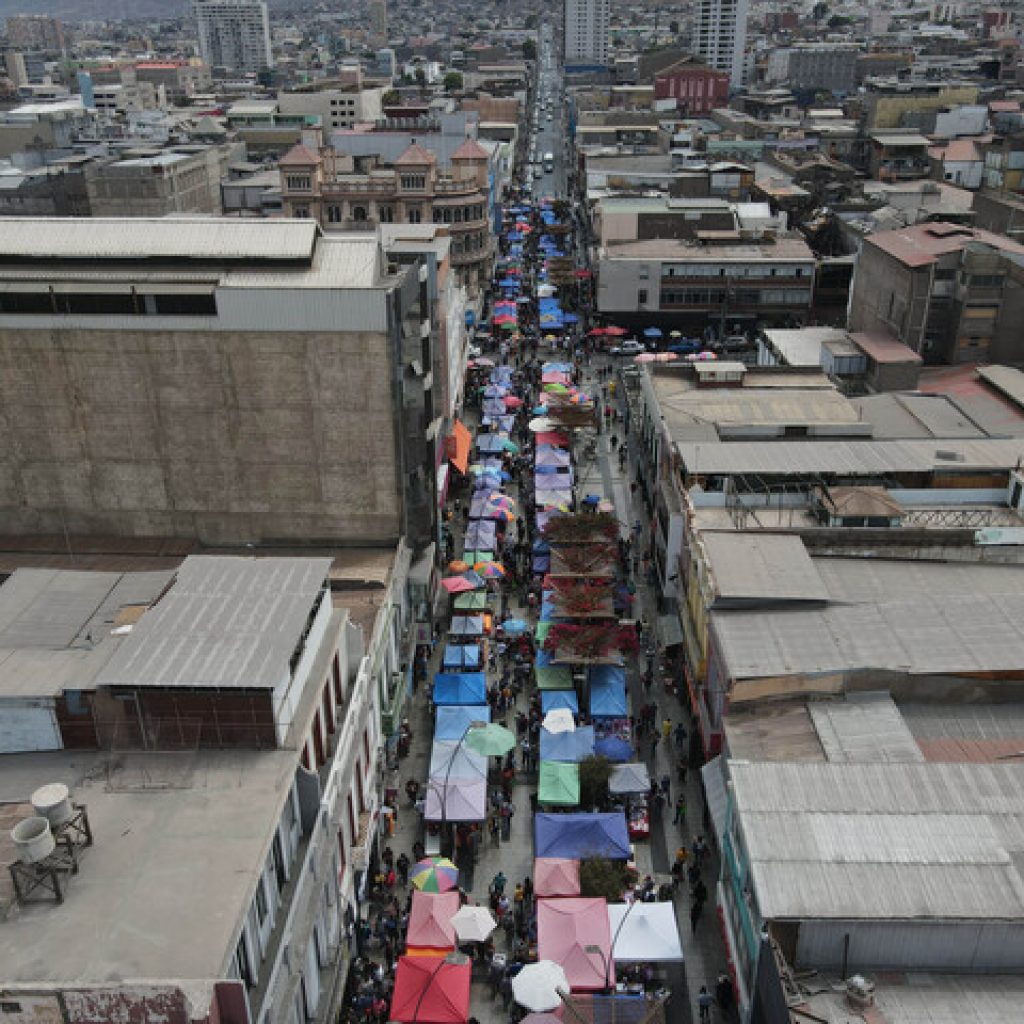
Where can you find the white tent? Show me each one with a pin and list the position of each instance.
(644, 932)
(629, 778)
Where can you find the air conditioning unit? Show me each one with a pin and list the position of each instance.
(860, 993)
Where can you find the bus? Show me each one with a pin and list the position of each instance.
(549, 161)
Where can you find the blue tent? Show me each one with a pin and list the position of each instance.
(490, 443)
(581, 836)
(480, 536)
(460, 688)
(608, 699)
(453, 720)
(462, 656)
(552, 699)
(613, 748)
(567, 746)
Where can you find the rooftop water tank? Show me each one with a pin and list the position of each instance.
(33, 840)
(53, 802)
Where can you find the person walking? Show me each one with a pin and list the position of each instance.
(696, 910)
(704, 1004)
(680, 815)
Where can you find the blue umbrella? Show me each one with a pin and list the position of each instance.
(652, 332)
(508, 282)
(540, 410)
(515, 626)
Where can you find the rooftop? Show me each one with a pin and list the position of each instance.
(668, 249)
(161, 862)
(761, 568)
(226, 622)
(802, 346)
(890, 842)
(922, 244)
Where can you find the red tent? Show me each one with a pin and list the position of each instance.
(555, 437)
(430, 990)
(556, 876)
(565, 928)
(615, 332)
(430, 919)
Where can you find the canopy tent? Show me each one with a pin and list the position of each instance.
(459, 443)
(551, 700)
(614, 748)
(431, 990)
(451, 722)
(456, 799)
(629, 778)
(645, 932)
(607, 691)
(452, 759)
(553, 677)
(581, 835)
(557, 438)
(567, 746)
(476, 601)
(565, 928)
(548, 496)
(460, 688)
(467, 625)
(480, 536)
(556, 876)
(462, 656)
(430, 919)
(490, 443)
(559, 784)
(477, 555)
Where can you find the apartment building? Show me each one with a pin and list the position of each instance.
(234, 34)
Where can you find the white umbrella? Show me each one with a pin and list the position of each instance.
(559, 720)
(473, 923)
(537, 986)
(543, 423)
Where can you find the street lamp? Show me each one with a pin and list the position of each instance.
(595, 950)
(476, 724)
(608, 960)
(453, 959)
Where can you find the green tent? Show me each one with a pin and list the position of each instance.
(559, 783)
(540, 634)
(554, 677)
(472, 557)
(471, 601)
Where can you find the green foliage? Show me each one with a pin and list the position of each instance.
(607, 878)
(594, 775)
(453, 81)
(529, 49)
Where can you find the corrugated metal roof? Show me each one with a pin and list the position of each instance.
(848, 458)
(1006, 379)
(915, 618)
(226, 622)
(762, 567)
(129, 238)
(347, 262)
(883, 842)
(864, 727)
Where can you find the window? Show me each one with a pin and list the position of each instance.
(641, 296)
(986, 280)
(298, 182)
(333, 214)
(385, 214)
(413, 182)
(359, 213)
(261, 902)
(414, 215)
(302, 212)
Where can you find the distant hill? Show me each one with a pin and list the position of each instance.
(95, 10)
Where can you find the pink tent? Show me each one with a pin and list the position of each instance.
(556, 876)
(565, 927)
(430, 920)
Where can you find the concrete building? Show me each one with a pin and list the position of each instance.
(336, 108)
(342, 193)
(41, 126)
(811, 66)
(227, 381)
(696, 87)
(53, 190)
(720, 276)
(178, 180)
(378, 22)
(269, 745)
(35, 32)
(14, 65)
(586, 32)
(950, 293)
(234, 34)
(721, 37)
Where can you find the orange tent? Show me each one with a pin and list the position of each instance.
(459, 442)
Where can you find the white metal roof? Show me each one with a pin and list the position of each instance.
(762, 567)
(131, 238)
(226, 622)
(883, 841)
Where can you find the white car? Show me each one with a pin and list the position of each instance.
(630, 347)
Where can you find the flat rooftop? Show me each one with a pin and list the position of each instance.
(802, 346)
(787, 249)
(225, 622)
(164, 889)
(751, 568)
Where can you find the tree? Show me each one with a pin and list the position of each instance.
(594, 775)
(421, 77)
(838, 21)
(529, 49)
(819, 10)
(390, 98)
(453, 81)
(607, 878)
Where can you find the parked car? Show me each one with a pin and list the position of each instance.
(630, 347)
(684, 346)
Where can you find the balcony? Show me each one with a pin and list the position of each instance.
(354, 187)
(456, 186)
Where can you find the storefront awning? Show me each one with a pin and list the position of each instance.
(459, 443)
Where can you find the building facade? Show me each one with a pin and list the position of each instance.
(586, 31)
(721, 36)
(35, 32)
(696, 87)
(308, 358)
(234, 34)
(830, 66)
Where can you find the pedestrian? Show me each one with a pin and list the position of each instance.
(700, 850)
(403, 869)
(680, 816)
(666, 729)
(704, 1003)
(695, 913)
(666, 786)
(680, 734)
(724, 993)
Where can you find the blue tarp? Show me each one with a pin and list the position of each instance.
(581, 836)
(453, 721)
(460, 688)
(462, 656)
(552, 699)
(608, 697)
(614, 748)
(567, 746)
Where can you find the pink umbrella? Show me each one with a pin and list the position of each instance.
(512, 402)
(666, 357)
(645, 357)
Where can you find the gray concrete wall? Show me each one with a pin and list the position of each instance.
(224, 437)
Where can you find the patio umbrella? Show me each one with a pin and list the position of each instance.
(513, 402)
(559, 720)
(615, 332)
(540, 410)
(491, 740)
(515, 626)
(457, 566)
(539, 986)
(645, 357)
(459, 584)
(435, 874)
(473, 924)
(652, 332)
(490, 570)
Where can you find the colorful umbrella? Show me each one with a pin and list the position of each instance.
(491, 740)
(559, 720)
(510, 446)
(556, 389)
(490, 570)
(615, 332)
(540, 410)
(666, 357)
(435, 874)
(652, 332)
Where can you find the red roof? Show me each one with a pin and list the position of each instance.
(299, 156)
(416, 156)
(470, 150)
(922, 244)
